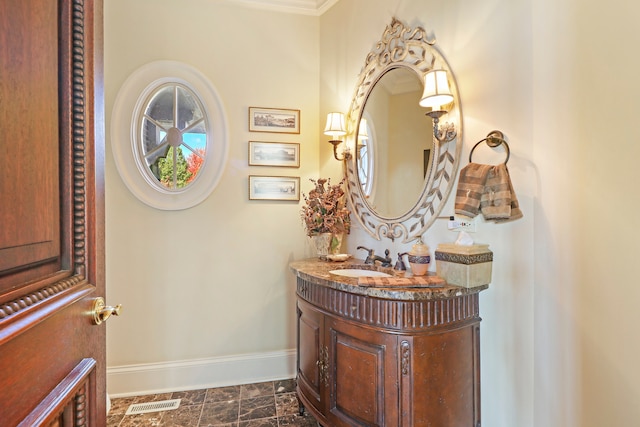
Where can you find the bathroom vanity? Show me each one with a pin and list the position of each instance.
(372, 353)
(386, 355)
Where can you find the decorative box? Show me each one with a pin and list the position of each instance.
(466, 266)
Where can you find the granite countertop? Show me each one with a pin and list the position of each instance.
(317, 271)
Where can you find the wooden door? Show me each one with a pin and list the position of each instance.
(52, 355)
(363, 375)
(445, 385)
(313, 358)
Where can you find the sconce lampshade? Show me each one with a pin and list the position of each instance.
(335, 125)
(436, 90)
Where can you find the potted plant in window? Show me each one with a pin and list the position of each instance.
(325, 216)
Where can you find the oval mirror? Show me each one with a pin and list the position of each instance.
(399, 175)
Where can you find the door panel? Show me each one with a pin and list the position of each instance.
(67, 403)
(446, 387)
(364, 362)
(30, 133)
(310, 341)
(52, 357)
(364, 366)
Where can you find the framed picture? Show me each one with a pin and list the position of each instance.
(274, 120)
(274, 187)
(285, 154)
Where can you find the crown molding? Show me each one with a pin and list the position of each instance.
(302, 7)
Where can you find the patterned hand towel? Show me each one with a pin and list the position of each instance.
(495, 202)
(516, 213)
(470, 188)
(499, 202)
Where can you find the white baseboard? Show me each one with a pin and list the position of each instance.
(150, 378)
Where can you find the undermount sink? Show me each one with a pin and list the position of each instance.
(355, 272)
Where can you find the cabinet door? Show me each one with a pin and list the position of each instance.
(311, 354)
(362, 375)
(444, 378)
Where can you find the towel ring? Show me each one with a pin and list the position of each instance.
(493, 139)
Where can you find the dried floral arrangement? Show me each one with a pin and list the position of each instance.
(324, 210)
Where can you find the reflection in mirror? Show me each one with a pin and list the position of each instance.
(402, 171)
(365, 157)
(174, 136)
(402, 135)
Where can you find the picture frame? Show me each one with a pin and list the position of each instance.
(277, 120)
(285, 188)
(280, 154)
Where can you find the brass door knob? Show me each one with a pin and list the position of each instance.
(102, 312)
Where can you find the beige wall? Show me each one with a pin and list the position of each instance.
(211, 281)
(586, 158)
(559, 341)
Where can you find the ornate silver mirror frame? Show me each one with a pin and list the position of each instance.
(402, 46)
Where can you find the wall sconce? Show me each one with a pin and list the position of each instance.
(335, 128)
(436, 95)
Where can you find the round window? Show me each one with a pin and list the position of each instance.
(168, 135)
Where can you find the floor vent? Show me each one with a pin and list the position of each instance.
(161, 405)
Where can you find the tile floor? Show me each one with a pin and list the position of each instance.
(268, 404)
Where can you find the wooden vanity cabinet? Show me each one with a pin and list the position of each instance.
(330, 348)
(365, 361)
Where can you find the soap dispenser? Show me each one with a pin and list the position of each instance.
(419, 258)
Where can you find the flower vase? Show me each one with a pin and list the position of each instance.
(336, 243)
(322, 243)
